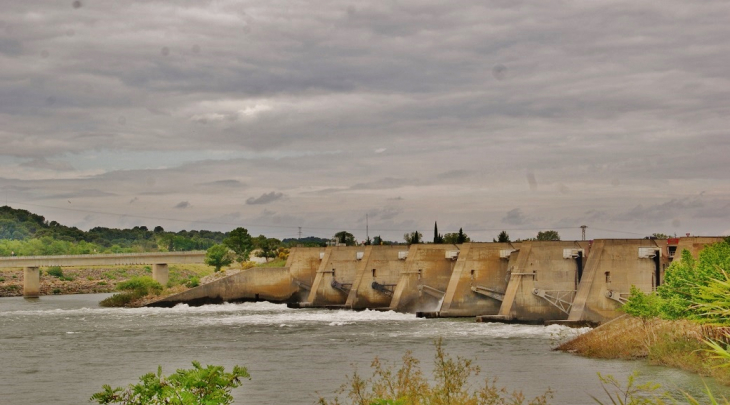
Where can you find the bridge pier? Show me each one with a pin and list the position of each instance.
(160, 273)
(31, 282)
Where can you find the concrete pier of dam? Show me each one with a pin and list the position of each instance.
(542, 283)
(377, 278)
(422, 284)
(303, 263)
(615, 265)
(336, 275)
(478, 282)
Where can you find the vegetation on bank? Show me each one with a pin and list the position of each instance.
(450, 384)
(407, 385)
(684, 324)
(209, 385)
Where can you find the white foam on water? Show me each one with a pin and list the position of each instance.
(492, 331)
(178, 309)
(312, 316)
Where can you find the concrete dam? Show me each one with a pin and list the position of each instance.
(567, 282)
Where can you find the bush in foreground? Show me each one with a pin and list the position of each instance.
(209, 385)
(408, 385)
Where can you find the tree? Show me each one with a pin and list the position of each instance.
(437, 237)
(269, 247)
(657, 236)
(456, 237)
(548, 235)
(240, 242)
(198, 385)
(503, 237)
(219, 256)
(345, 237)
(377, 240)
(413, 237)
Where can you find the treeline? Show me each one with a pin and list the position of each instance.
(23, 233)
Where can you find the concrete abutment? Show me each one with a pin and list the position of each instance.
(31, 282)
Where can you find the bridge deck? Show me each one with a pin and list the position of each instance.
(103, 259)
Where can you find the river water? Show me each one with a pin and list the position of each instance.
(61, 349)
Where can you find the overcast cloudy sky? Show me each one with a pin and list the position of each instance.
(274, 115)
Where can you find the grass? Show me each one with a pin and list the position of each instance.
(273, 263)
(678, 344)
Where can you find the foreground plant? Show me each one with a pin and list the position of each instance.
(408, 386)
(209, 385)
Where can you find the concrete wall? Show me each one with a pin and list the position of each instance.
(382, 265)
(303, 263)
(341, 264)
(422, 284)
(614, 266)
(480, 267)
(254, 284)
(693, 245)
(540, 267)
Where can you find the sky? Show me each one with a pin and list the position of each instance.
(333, 115)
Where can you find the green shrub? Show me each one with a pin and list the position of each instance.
(102, 283)
(56, 291)
(210, 385)
(118, 300)
(55, 271)
(144, 285)
(192, 282)
(2, 279)
(641, 305)
(686, 292)
(133, 289)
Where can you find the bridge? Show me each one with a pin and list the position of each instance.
(158, 260)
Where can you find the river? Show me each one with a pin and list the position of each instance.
(61, 349)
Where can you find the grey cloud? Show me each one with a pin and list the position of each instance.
(515, 217)
(265, 198)
(453, 174)
(133, 200)
(384, 183)
(659, 213)
(182, 205)
(383, 214)
(87, 193)
(43, 163)
(225, 184)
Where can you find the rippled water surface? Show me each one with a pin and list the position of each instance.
(61, 349)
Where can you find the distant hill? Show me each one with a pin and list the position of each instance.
(23, 232)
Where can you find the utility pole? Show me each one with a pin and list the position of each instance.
(300, 234)
(583, 232)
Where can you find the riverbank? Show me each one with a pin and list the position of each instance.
(678, 344)
(92, 280)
